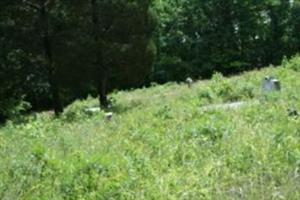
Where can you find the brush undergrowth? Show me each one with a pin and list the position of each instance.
(161, 144)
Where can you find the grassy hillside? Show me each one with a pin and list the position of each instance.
(162, 143)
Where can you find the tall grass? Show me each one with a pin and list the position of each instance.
(162, 144)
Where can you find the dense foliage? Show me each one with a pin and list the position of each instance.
(53, 51)
(162, 143)
(196, 38)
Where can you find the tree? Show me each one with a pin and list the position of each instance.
(196, 38)
(74, 49)
(42, 8)
(119, 25)
(14, 62)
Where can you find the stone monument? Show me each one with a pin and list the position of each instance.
(270, 84)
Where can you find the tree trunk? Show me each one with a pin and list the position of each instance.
(102, 88)
(57, 105)
(99, 62)
(2, 119)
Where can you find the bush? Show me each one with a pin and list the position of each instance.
(224, 89)
(12, 108)
(293, 63)
(77, 110)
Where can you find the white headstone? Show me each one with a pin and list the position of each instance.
(109, 115)
(189, 81)
(270, 84)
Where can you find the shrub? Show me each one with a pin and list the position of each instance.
(224, 89)
(12, 108)
(77, 110)
(293, 63)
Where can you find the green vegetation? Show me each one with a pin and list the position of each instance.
(162, 144)
(75, 49)
(92, 47)
(196, 38)
(172, 141)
